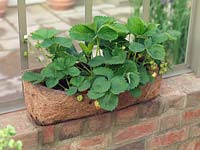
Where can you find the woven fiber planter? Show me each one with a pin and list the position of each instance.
(49, 106)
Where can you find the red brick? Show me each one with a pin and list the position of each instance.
(135, 131)
(168, 138)
(149, 109)
(126, 115)
(193, 144)
(186, 83)
(193, 99)
(91, 143)
(57, 146)
(195, 130)
(71, 129)
(197, 146)
(99, 122)
(29, 139)
(169, 147)
(63, 146)
(174, 102)
(170, 121)
(139, 145)
(18, 119)
(48, 134)
(191, 115)
(168, 89)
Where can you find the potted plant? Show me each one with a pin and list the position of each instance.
(3, 7)
(60, 4)
(119, 65)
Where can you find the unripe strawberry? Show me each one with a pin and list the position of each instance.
(25, 53)
(165, 69)
(11, 143)
(140, 55)
(151, 62)
(97, 105)
(161, 72)
(162, 65)
(79, 98)
(154, 74)
(123, 47)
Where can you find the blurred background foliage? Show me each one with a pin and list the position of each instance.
(170, 14)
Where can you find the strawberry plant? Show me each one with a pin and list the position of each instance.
(115, 58)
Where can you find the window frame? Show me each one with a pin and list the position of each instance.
(192, 59)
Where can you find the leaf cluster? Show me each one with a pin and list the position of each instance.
(115, 58)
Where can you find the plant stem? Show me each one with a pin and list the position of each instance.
(86, 68)
(62, 86)
(98, 47)
(67, 82)
(129, 37)
(129, 55)
(135, 56)
(45, 55)
(41, 62)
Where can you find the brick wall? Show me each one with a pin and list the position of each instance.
(169, 122)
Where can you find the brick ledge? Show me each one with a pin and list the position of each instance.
(176, 106)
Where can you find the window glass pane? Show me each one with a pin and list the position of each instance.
(121, 9)
(40, 14)
(10, 69)
(55, 15)
(173, 14)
